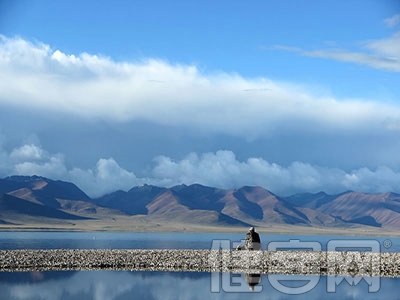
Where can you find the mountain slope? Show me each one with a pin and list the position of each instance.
(41, 190)
(367, 209)
(38, 197)
(42, 197)
(193, 204)
(10, 205)
(132, 202)
(170, 206)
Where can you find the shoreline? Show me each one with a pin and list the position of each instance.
(335, 263)
(284, 230)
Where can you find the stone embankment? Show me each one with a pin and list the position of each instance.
(268, 262)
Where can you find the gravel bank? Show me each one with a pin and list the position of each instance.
(271, 262)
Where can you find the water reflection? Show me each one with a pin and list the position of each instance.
(252, 280)
(101, 285)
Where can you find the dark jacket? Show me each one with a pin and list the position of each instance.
(253, 241)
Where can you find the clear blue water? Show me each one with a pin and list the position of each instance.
(101, 285)
(128, 240)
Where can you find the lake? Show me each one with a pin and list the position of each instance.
(176, 285)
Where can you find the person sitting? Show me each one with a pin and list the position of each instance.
(252, 241)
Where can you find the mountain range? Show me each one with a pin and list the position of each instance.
(38, 202)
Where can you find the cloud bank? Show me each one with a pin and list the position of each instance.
(38, 78)
(220, 169)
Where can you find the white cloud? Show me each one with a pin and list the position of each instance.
(383, 54)
(387, 49)
(40, 81)
(27, 152)
(31, 159)
(90, 86)
(392, 21)
(107, 177)
(375, 60)
(220, 169)
(53, 167)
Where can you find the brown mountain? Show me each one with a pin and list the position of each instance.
(38, 197)
(369, 209)
(25, 197)
(257, 206)
(19, 208)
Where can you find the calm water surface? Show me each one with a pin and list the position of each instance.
(166, 285)
(126, 240)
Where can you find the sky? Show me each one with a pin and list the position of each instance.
(288, 95)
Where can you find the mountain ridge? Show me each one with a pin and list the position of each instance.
(42, 198)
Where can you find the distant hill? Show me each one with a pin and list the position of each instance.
(25, 197)
(18, 206)
(41, 190)
(38, 197)
(132, 202)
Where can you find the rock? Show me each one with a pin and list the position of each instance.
(254, 262)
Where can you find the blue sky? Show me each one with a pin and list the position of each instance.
(293, 97)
